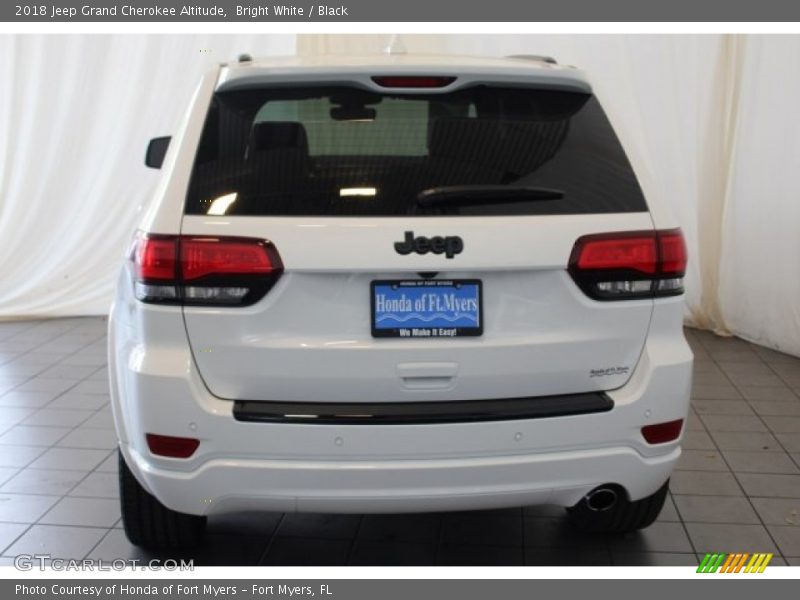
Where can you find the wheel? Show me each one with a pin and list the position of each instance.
(150, 524)
(607, 510)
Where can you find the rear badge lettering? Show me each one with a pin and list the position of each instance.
(609, 371)
(449, 246)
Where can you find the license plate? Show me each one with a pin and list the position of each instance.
(427, 308)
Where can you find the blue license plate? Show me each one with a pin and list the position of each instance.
(427, 308)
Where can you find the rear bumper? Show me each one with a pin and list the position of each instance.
(369, 486)
(155, 388)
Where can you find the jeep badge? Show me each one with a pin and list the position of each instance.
(450, 245)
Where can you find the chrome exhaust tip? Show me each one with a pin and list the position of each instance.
(602, 499)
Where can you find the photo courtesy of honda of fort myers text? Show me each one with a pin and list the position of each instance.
(213, 589)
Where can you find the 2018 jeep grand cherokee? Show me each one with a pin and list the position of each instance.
(397, 283)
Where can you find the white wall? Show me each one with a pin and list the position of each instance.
(76, 113)
(710, 122)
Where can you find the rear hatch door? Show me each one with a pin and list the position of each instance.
(392, 208)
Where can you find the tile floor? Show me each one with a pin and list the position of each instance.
(737, 486)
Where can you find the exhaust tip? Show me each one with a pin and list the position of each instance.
(602, 499)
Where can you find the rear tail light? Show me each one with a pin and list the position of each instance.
(413, 81)
(638, 264)
(660, 433)
(173, 447)
(208, 271)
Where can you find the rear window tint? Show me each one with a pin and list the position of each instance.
(345, 152)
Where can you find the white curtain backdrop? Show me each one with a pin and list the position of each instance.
(76, 113)
(711, 123)
(760, 262)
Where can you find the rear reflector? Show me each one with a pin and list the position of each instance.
(414, 81)
(173, 447)
(208, 271)
(637, 264)
(661, 433)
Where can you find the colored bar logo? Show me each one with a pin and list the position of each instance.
(740, 562)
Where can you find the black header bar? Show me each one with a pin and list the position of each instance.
(443, 11)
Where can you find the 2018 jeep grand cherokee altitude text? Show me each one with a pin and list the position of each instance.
(396, 284)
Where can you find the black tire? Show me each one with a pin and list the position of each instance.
(150, 524)
(622, 517)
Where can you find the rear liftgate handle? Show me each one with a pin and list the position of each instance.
(427, 375)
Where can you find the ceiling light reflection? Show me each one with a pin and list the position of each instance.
(358, 191)
(220, 206)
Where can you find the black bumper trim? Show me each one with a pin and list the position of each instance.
(417, 413)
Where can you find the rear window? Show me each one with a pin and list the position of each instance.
(345, 151)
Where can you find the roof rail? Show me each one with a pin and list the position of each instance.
(536, 57)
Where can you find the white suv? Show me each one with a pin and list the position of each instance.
(397, 284)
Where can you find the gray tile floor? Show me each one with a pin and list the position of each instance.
(737, 486)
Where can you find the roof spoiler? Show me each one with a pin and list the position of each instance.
(535, 57)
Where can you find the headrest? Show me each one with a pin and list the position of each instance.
(518, 147)
(462, 138)
(278, 135)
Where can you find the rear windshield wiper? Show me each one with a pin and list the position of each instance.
(454, 195)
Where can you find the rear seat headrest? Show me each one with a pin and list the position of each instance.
(278, 135)
(516, 146)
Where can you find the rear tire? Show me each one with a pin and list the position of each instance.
(622, 517)
(150, 524)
